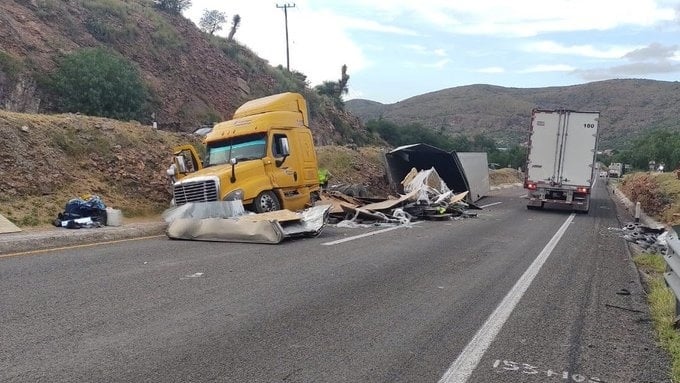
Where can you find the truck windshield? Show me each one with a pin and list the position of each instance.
(251, 147)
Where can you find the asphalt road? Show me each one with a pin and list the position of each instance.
(487, 299)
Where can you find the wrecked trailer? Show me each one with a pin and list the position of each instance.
(400, 161)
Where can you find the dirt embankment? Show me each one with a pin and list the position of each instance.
(658, 194)
(48, 159)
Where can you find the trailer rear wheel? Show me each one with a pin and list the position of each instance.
(266, 201)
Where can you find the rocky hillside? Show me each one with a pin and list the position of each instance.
(627, 108)
(193, 78)
(47, 160)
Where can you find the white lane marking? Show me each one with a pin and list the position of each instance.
(194, 275)
(364, 235)
(491, 204)
(461, 369)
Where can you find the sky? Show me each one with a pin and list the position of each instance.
(396, 49)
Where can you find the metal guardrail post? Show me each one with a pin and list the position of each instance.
(672, 276)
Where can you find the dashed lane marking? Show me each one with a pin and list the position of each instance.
(491, 204)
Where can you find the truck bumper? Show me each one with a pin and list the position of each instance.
(578, 205)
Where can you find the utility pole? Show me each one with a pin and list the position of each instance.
(285, 12)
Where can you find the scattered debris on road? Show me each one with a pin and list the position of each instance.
(426, 197)
(650, 240)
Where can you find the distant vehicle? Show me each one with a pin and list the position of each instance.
(616, 169)
(560, 171)
(603, 173)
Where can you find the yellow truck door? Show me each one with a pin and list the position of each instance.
(307, 158)
(282, 166)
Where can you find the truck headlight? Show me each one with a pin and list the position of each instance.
(234, 195)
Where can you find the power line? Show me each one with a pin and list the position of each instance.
(285, 12)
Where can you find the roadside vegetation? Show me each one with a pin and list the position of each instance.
(658, 194)
(397, 135)
(662, 307)
(658, 146)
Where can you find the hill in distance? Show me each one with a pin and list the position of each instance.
(628, 107)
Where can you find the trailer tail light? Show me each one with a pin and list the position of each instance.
(531, 185)
(583, 189)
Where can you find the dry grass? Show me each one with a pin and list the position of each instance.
(658, 193)
(505, 176)
(362, 165)
(49, 159)
(662, 307)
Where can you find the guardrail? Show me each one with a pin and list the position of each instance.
(672, 276)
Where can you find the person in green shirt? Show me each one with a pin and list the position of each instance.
(324, 176)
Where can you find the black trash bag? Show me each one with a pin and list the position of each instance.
(75, 208)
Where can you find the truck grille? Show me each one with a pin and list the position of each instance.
(196, 191)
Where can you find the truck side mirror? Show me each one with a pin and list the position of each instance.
(233, 161)
(285, 151)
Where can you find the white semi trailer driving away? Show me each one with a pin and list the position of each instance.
(561, 159)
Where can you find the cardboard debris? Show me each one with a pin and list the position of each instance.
(459, 197)
(390, 203)
(279, 215)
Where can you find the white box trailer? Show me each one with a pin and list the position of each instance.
(561, 159)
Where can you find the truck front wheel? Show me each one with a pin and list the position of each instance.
(266, 201)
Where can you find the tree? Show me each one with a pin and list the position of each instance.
(98, 82)
(660, 146)
(235, 23)
(211, 21)
(344, 79)
(335, 89)
(174, 6)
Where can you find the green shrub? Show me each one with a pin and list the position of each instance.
(103, 8)
(99, 83)
(165, 36)
(174, 6)
(10, 65)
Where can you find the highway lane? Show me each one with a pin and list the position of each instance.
(397, 306)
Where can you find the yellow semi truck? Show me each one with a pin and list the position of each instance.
(264, 156)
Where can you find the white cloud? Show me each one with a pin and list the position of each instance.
(439, 64)
(628, 70)
(654, 51)
(440, 52)
(416, 48)
(543, 68)
(551, 47)
(423, 50)
(523, 17)
(491, 69)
